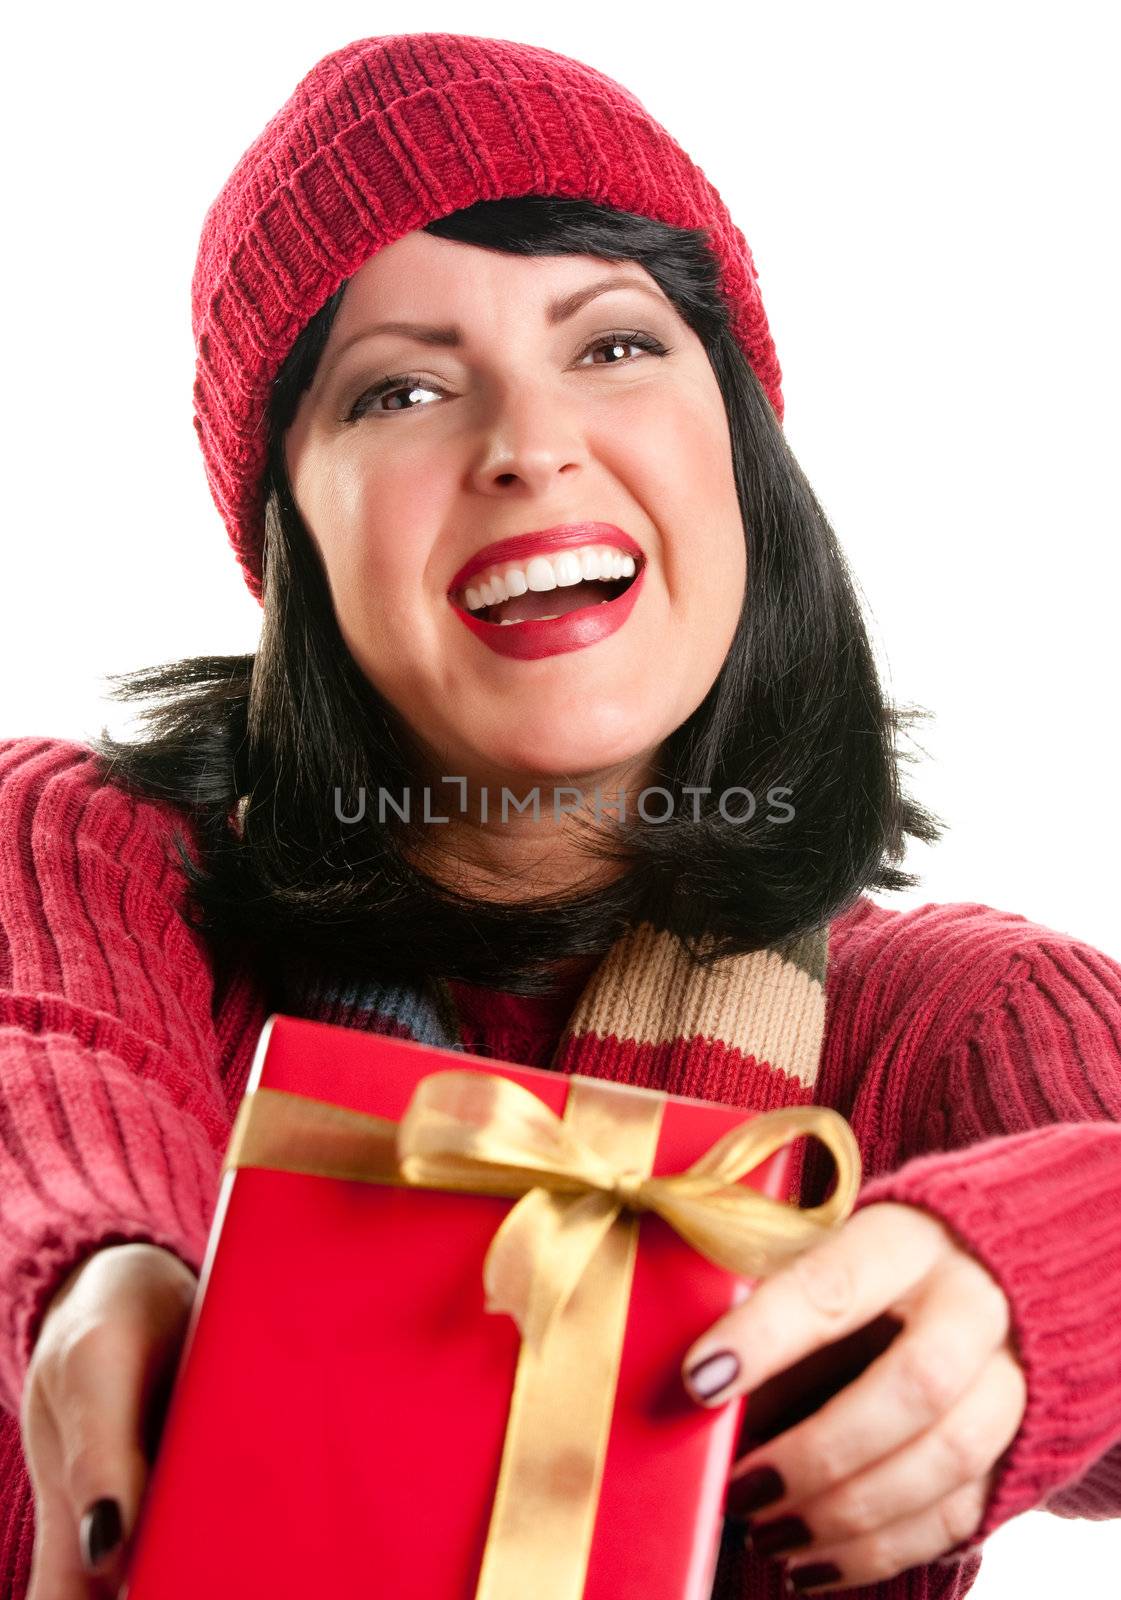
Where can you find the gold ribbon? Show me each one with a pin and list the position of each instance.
(562, 1261)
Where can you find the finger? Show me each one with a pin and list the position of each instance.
(57, 1572)
(960, 1450)
(908, 1542)
(952, 1330)
(96, 1387)
(869, 1265)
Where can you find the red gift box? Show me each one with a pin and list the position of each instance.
(339, 1415)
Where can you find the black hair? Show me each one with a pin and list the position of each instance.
(796, 706)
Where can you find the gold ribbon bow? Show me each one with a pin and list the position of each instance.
(562, 1261)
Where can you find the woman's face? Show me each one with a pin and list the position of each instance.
(524, 417)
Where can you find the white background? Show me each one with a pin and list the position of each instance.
(930, 195)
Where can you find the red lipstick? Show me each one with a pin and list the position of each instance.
(542, 543)
(531, 640)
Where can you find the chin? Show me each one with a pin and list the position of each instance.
(577, 764)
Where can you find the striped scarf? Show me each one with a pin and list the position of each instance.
(747, 1032)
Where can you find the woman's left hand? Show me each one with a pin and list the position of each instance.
(895, 1469)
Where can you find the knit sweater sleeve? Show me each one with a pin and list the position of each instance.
(1025, 1102)
(112, 1117)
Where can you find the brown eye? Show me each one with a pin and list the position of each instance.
(617, 342)
(400, 384)
(405, 385)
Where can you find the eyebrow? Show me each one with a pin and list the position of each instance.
(557, 311)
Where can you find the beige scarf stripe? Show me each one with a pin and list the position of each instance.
(769, 1004)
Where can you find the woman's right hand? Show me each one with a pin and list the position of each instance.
(93, 1399)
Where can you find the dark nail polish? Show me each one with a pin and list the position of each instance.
(785, 1533)
(819, 1572)
(714, 1373)
(100, 1532)
(755, 1489)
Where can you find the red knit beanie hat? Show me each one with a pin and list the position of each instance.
(379, 138)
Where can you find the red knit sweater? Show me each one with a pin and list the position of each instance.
(976, 1055)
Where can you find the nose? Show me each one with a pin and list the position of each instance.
(531, 436)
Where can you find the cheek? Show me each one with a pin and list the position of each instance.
(374, 530)
(679, 462)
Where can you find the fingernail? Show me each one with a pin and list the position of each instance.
(785, 1533)
(809, 1577)
(100, 1532)
(755, 1489)
(712, 1374)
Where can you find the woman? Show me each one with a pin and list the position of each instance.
(588, 568)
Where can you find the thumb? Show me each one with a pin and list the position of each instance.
(104, 1477)
(90, 1501)
(77, 1555)
(88, 1415)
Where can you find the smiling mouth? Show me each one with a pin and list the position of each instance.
(550, 604)
(547, 605)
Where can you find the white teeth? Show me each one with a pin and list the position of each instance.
(542, 573)
(539, 575)
(589, 564)
(567, 569)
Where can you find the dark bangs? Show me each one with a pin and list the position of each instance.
(796, 712)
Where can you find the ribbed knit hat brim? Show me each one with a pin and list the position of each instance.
(380, 138)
